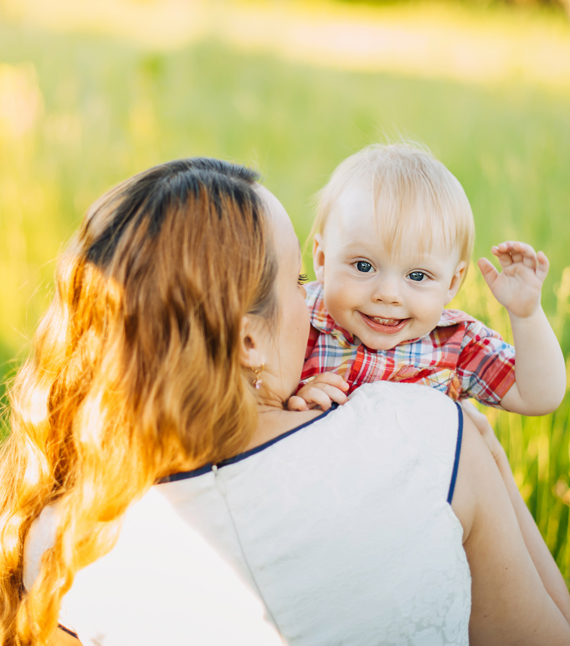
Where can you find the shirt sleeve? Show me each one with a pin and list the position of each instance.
(486, 365)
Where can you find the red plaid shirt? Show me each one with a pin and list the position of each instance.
(461, 356)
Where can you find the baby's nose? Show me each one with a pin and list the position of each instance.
(387, 291)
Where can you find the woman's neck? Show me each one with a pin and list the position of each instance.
(274, 421)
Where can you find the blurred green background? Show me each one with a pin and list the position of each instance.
(92, 94)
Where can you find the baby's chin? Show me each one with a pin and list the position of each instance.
(379, 342)
(377, 347)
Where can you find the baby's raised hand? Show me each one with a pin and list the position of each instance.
(519, 284)
(320, 392)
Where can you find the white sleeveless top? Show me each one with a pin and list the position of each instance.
(342, 528)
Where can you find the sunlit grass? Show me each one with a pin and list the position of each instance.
(80, 113)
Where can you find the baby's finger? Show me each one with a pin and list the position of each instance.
(332, 379)
(504, 257)
(317, 396)
(488, 270)
(543, 265)
(505, 247)
(508, 253)
(528, 254)
(335, 394)
(520, 252)
(512, 246)
(297, 403)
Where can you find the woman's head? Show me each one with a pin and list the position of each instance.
(163, 299)
(155, 287)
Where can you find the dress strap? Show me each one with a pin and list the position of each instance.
(457, 453)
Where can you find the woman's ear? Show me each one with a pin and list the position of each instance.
(319, 258)
(250, 355)
(456, 281)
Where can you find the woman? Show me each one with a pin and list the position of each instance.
(176, 336)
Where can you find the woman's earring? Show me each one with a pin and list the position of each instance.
(257, 372)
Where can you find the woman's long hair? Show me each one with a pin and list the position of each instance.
(135, 372)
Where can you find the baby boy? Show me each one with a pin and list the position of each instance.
(392, 242)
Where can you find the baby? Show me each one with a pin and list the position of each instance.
(393, 238)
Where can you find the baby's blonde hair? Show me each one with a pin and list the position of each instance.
(415, 194)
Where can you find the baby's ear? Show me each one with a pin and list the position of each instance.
(319, 258)
(455, 283)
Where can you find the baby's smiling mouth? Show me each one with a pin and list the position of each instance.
(380, 324)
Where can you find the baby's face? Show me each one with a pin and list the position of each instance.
(380, 299)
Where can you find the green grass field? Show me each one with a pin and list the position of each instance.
(79, 113)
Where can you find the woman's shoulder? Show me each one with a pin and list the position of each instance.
(426, 417)
(412, 402)
(426, 423)
(419, 392)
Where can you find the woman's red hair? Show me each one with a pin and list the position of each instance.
(135, 372)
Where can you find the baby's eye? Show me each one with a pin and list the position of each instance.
(303, 278)
(417, 276)
(363, 266)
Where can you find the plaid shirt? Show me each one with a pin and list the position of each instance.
(461, 356)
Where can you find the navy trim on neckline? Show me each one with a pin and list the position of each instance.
(183, 475)
(68, 631)
(457, 453)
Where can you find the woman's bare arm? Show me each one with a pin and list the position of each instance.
(540, 554)
(518, 594)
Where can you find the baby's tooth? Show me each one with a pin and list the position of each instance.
(385, 321)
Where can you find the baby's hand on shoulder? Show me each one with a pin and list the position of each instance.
(320, 392)
(519, 284)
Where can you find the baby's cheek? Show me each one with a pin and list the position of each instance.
(428, 312)
(338, 305)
